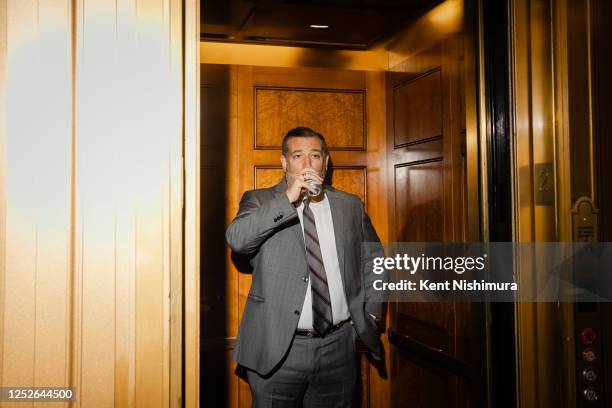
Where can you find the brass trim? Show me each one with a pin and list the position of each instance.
(481, 130)
(476, 153)
(474, 94)
(533, 127)
(586, 213)
(3, 68)
(563, 190)
(191, 204)
(592, 153)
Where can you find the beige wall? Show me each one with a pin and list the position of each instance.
(91, 133)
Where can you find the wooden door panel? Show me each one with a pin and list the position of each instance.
(307, 98)
(419, 385)
(419, 202)
(428, 323)
(267, 176)
(434, 348)
(430, 150)
(351, 179)
(417, 105)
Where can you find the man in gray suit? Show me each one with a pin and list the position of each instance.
(311, 294)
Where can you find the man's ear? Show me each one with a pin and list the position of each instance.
(326, 161)
(284, 162)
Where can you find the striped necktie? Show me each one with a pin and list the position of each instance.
(322, 319)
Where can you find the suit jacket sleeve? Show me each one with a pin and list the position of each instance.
(375, 304)
(257, 219)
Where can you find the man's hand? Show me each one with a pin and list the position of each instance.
(297, 182)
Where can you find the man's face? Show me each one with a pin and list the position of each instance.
(304, 152)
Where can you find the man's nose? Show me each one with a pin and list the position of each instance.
(307, 162)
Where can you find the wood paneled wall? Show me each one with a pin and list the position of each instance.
(91, 135)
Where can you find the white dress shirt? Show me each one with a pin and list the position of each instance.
(325, 231)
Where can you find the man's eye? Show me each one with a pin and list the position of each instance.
(297, 156)
(316, 156)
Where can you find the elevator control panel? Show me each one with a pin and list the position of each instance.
(590, 388)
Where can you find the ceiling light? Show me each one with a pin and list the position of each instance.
(319, 26)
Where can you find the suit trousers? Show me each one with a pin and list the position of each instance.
(316, 372)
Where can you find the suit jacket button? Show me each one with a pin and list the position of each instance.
(297, 312)
(305, 278)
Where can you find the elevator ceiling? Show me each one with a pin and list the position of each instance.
(339, 24)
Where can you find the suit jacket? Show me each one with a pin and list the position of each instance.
(267, 227)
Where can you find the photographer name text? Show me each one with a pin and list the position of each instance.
(432, 264)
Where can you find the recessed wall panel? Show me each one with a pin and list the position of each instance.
(419, 202)
(417, 109)
(337, 114)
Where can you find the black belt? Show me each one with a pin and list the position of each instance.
(312, 333)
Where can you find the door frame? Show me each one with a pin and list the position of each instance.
(490, 155)
(477, 165)
(189, 336)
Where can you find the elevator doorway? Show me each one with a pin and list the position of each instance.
(398, 113)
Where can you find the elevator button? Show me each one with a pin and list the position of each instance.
(588, 335)
(588, 355)
(590, 394)
(589, 375)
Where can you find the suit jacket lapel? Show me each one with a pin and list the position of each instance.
(335, 204)
(281, 187)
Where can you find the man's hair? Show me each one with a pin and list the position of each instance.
(303, 132)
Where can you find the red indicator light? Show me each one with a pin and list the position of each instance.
(588, 335)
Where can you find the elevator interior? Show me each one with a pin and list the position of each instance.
(400, 90)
